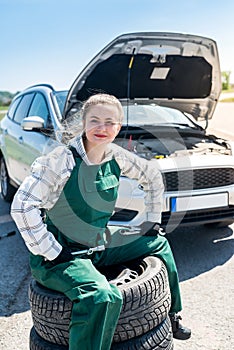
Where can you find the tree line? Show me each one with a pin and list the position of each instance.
(6, 98)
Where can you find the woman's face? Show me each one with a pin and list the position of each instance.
(101, 124)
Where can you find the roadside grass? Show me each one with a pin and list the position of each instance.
(227, 95)
(230, 99)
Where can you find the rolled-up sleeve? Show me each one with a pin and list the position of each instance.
(41, 189)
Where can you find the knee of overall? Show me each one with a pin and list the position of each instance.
(108, 294)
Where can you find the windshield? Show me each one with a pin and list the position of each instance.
(60, 97)
(139, 114)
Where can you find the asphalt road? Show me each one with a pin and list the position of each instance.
(222, 123)
(205, 264)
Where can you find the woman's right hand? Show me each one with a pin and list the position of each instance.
(64, 256)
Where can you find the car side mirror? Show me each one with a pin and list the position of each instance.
(32, 123)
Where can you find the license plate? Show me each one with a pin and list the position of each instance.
(199, 202)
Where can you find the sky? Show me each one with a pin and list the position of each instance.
(51, 41)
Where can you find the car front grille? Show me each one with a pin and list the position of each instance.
(196, 179)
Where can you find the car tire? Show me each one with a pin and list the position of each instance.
(146, 303)
(7, 190)
(159, 338)
(38, 343)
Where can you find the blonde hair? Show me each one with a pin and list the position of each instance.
(102, 99)
(73, 125)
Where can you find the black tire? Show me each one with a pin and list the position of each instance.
(146, 303)
(159, 338)
(146, 300)
(7, 190)
(38, 343)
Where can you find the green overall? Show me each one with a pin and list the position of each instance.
(78, 220)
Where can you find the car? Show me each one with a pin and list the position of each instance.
(168, 83)
(27, 131)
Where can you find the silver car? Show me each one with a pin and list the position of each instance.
(167, 83)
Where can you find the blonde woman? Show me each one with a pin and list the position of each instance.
(77, 186)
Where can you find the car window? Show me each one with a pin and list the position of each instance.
(13, 107)
(23, 107)
(154, 115)
(39, 107)
(61, 99)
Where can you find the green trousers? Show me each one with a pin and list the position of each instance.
(96, 303)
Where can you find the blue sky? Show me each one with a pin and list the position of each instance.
(50, 41)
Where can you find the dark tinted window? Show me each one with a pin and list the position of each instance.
(13, 107)
(23, 107)
(39, 108)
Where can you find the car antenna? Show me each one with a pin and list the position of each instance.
(129, 88)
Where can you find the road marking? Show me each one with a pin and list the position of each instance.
(5, 218)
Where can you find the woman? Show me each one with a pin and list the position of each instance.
(77, 186)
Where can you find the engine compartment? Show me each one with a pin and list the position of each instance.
(170, 142)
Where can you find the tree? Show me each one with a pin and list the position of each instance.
(226, 80)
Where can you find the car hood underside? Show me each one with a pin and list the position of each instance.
(177, 70)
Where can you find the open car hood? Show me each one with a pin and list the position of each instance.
(177, 70)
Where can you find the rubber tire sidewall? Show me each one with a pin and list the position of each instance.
(159, 338)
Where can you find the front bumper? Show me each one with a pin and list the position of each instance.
(198, 207)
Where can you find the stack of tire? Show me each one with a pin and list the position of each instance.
(143, 324)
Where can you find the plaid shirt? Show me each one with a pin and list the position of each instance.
(49, 175)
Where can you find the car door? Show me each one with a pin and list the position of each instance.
(34, 143)
(25, 146)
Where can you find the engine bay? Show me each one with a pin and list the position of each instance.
(170, 142)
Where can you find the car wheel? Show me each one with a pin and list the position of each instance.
(159, 338)
(7, 190)
(219, 224)
(146, 303)
(38, 343)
